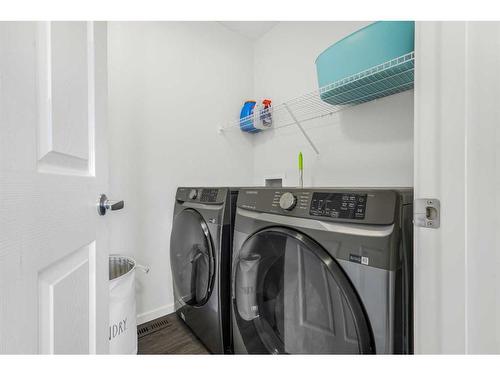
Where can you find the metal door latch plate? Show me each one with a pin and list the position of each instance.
(426, 212)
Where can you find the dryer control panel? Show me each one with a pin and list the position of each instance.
(201, 195)
(209, 195)
(370, 206)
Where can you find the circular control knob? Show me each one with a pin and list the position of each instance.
(288, 201)
(193, 194)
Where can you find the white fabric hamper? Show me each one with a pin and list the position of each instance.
(122, 307)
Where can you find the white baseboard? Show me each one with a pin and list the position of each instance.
(156, 313)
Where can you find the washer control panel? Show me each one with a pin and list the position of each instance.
(338, 205)
(363, 206)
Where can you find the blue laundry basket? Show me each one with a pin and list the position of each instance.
(373, 62)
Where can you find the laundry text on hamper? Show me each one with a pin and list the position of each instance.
(117, 329)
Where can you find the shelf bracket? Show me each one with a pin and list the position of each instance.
(301, 129)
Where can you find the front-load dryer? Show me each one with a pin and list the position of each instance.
(200, 259)
(322, 271)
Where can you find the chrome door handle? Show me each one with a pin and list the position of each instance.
(106, 204)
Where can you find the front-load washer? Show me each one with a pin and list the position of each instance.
(200, 259)
(322, 271)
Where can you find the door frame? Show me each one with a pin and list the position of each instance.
(457, 86)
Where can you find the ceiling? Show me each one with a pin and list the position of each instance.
(251, 29)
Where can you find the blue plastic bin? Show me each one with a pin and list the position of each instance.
(350, 71)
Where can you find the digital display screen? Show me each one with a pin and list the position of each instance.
(339, 205)
(209, 195)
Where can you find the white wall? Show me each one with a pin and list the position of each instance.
(170, 84)
(367, 145)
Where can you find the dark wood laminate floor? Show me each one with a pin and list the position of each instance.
(174, 338)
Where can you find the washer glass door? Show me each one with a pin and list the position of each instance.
(291, 296)
(191, 258)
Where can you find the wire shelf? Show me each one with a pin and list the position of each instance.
(386, 79)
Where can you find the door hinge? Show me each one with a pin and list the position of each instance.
(426, 212)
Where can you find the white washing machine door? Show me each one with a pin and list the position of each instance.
(291, 296)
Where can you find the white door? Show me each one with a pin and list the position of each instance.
(457, 160)
(53, 166)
